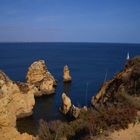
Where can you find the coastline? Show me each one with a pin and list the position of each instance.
(122, 76)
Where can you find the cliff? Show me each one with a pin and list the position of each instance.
(14, 103)
(127, 80)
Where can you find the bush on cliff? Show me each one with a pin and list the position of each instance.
(55, 130)
(115, 112)
(91, 123)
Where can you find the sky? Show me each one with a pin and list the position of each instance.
(115, 21)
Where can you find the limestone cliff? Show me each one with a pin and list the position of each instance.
(39, 76)
(66, 74)
(128, 79)
(14, 104)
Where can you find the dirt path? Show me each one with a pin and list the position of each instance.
(132, 133)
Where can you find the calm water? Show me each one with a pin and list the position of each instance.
(88, 63)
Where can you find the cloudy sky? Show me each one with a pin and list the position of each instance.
(70, 21)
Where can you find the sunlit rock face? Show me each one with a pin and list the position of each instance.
(66, 74)
(66, 103)
(12, 107)
(7, 112)
(3, 79)
(14, 103)
(21, 103)
(39, 76)
(128, 80)
(69, 109)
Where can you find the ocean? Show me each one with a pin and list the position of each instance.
(90, 65)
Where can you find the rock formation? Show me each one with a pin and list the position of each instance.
(66, 74)
(66, 103)
(39, 76)
(128, 79)
(69, 109)
(13, 104)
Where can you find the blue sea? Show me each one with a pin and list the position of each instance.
(90, 65)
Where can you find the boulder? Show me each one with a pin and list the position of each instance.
(39, 76)
(66, 74)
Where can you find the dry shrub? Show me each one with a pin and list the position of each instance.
(116, 114)
(44, 131)
(55, 130)
(131, 100)
(91, 122)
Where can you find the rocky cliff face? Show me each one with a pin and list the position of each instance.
(66, 74)
(128, 79)
(14, 103)
(39, 76)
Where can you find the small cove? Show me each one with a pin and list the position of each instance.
(88, 63)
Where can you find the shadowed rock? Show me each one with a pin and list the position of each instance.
(129, 79)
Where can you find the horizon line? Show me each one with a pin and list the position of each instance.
(68, 42)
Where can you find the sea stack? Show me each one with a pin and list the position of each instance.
(66, 104)
(69, 109)
(66, 74)
(39, 76)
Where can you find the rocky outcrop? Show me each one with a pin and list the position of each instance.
(66, 103)
(3, 77)
(99, 96)
(14, 103)
(39, 76)
(69, 109)
(128, 79)
(66, 74)
(22, 103)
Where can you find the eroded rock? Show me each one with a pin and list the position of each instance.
(13, 104)
(69, 109)
(66, 103)
(39, 76)
(7, 114)
(66, 74)
(128, 79)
